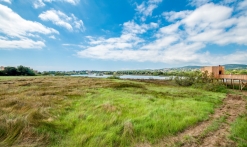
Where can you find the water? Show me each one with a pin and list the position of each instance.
(127, 76)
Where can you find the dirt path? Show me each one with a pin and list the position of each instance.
(213, 132)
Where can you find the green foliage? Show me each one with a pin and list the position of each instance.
(202, 81)
(10, 71)
(236, 71)
(1, 73)
(22, 70)
(19, 71)
(185, 81)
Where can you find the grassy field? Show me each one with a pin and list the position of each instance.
(76, 111)
(6, 78)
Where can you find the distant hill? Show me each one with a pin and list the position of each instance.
(235, 66)
(227, 66)
(190, 67)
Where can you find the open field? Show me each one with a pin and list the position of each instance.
(5, 78)
(77, 111)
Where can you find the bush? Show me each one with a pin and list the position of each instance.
(202, 81)
(19, 71)
(113, 77)
(213, 86)
(184, 81)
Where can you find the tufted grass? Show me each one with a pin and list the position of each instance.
(77, 111)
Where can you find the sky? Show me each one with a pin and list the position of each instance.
(64, 35)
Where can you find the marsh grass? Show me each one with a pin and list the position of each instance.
(76, 111)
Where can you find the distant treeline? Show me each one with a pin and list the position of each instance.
(236, 71)
(151, 73)
(19, 71)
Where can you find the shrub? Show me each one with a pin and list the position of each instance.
(202, 81)
(113, 77)
(185, 81)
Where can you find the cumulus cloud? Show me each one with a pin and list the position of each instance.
(24, 43)
(41, 3)
(60, 19)
(145, 9)
(181, 41)
(38, 3)
(7, 1)
(242, 5)
(174, 16)
(18, 31)
(198, 3)
(134, 28)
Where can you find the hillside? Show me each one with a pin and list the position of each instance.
(235, 66)
(227, 66)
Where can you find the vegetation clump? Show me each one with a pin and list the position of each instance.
(19, 71)
(114, 76)
(201, 80)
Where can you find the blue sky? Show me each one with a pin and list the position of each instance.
(122, 34)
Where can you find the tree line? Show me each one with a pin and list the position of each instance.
(17, 71)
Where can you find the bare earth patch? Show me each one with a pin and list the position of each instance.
(201, 134)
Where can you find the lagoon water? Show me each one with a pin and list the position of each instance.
(127, 76)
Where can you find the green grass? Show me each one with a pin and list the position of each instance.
(5, 78)
(239, 131)
(75, 111)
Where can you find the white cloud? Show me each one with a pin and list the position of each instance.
(18, 31)
(242, 5)
(21, 44)
(73, 2)
(134, 28)
(41, 3)
(179, 42)
(74, 45)
(207, 14)
(7, 1)
(168, 30)
(227, 1)
(173, 16)
(145, 9)
(52, 37)
(38, 4)
(198, 3)
(59, 18)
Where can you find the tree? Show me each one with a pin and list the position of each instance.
(1, 73)
(10, 71)
(25, 71)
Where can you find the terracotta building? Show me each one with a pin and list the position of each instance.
(216, 70)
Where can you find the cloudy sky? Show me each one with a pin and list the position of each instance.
(122, 34)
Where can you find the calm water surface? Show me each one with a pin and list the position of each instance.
(127, 76)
